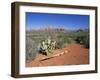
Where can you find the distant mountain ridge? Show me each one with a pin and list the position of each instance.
(50, 29)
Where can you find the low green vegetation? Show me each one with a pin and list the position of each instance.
(31, 49)
(46, 41)
(83, 40)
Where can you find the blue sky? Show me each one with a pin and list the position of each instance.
(67, 21)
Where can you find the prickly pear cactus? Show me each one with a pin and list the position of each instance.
(47, 46)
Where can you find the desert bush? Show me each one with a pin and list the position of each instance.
(63, 40)
(86, 42)
(31, 49)
(47, 46)
(83, 40)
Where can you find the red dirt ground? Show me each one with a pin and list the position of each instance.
(74, 54)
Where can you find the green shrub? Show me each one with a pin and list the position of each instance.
(86, 42)
(83, 40)
(31, 49)
(61, 42)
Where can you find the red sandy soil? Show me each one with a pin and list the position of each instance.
(74, 54)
